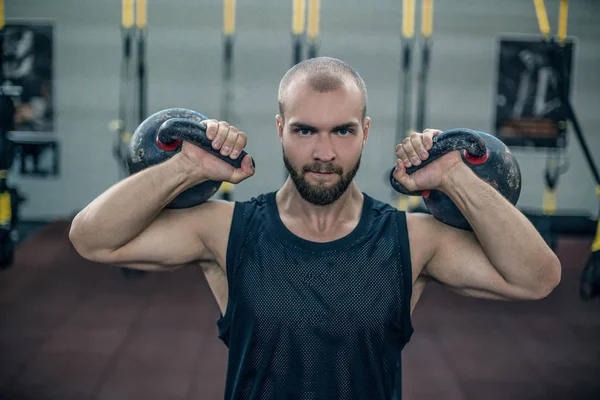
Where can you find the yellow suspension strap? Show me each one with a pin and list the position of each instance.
(405, 87)
(122, 126)
(542, 17)
(141, 23)
(563, 14)
(298, 27)
(141, 17)
(229, 14)
(314, 9)
(553, 167)
(589, 286)
(426, 33)
(227, 92)
(5, 205)
(1, 14)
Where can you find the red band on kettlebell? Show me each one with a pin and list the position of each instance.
(476, 160)
(425, 193)
(168, 146)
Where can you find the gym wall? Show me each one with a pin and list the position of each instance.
(184, 70)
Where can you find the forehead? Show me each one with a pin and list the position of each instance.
(306, 104)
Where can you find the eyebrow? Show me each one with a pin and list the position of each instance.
(300, 125)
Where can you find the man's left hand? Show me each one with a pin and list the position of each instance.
(412, 151)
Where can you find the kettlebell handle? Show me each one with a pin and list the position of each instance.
(170, 134)
(475, 152)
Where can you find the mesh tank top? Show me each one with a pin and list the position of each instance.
(308, 320)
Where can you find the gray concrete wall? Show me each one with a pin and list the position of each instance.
(184, 56)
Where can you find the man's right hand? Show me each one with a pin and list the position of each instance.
(230, 141)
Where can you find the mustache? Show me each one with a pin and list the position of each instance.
(323, 168)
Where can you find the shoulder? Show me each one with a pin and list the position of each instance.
(257, 205)
(380, 208)
(221, 222)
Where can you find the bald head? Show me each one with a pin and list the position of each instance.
(323, 74)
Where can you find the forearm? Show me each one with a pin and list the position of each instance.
(509, 240)
(123, 211)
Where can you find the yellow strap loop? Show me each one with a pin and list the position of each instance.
(413, 202)
(596, 242)
(427, 18)
(227, 187)
(298, 17)
(549, 202)
(402, 203)
(314, 7)
(127, 21)
(229, 17)
(542, 17)
(5, 208)
(408, 18)
(562, 21)
(1, 14)
(141, 14)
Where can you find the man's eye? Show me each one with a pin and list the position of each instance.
(344, 132)
(303, 132)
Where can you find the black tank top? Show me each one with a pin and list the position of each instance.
(308, 320)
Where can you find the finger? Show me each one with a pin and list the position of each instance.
(229, 141)
(402, 155)
(427, 141)
(428, 135)
(418, 145)
(402, 177)
(410, 150)
(245, 171)
(240, 143)
(222, 133)
(211, 128)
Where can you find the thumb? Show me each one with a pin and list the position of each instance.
(402, 177)
(245, 171)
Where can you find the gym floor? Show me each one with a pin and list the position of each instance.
(71, 329)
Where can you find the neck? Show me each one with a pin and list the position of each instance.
(320, 219)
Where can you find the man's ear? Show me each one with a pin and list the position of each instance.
(279, 123)
(366, 128)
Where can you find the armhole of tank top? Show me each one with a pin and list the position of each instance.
(236, 235)
(405, 260)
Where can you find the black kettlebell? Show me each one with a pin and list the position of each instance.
(160, 136)
(485, 154)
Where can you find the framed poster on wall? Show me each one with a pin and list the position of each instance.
(28, 72)
(529, 110)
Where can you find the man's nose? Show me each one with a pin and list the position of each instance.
(324, 149)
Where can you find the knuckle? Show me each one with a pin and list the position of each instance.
(222, 133)
(406, 140)
(241, 140)
(231, 137)
(414, 135)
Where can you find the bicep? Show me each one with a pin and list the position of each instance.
(175, 238)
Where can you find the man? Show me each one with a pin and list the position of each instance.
(316, 282)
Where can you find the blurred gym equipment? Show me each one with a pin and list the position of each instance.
(9, 196)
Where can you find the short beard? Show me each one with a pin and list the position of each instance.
(318, 194)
